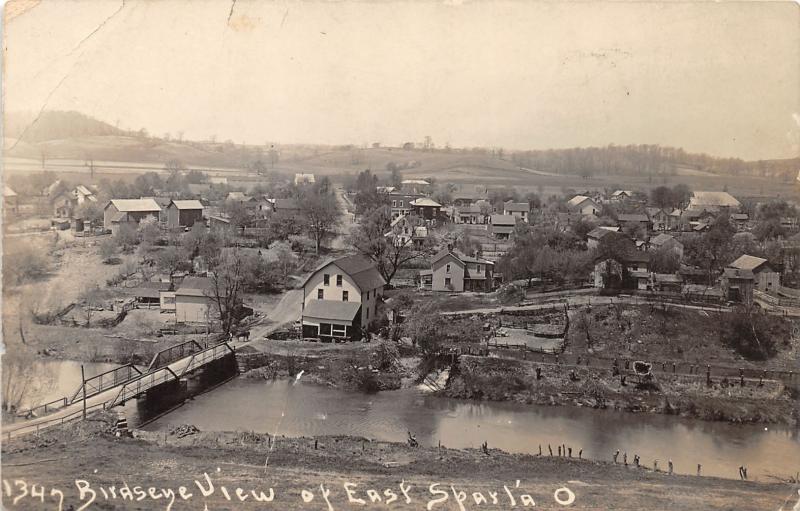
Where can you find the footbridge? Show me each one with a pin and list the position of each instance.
(115, 387)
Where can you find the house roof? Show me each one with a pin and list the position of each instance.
(460, 256)
(633, 217)
(661, 239)
(150, 289)
(130, 205)
(187, 204)
(286, 204)
(415, 182)
(740, 216)
(83, 190)
(331, 309)
(517, 206)
(618, 193)
(668, 278)
(747, 262)
(8, 192)
(359, 268)
(424, 272)
(503, 220)
(712, 199)
(195, 286)
(599, 232)
(577, 200)
(424, 201)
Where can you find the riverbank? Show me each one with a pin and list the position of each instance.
(237, 460)
(367, 367)
(498, 379)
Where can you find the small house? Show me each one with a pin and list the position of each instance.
(766, 278)
(583, 205)
(184, 213)
(426, 208)
(304, 179)
(666, 242)
(454, 271)
(502, 226)
(119, 211)
(520, 210)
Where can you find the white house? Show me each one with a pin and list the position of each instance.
(340, 298)
(583, 205)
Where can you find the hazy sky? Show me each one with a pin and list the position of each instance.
(722, 78)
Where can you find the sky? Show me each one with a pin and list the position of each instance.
(721, 78)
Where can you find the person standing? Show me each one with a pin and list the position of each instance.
(616, 454)
(669, 464)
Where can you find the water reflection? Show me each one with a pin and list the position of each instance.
(315, 410)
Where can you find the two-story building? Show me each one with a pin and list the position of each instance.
(340, 299)
(454, 271)
(765, 277)
(520, 210)
(426, 208)
(502, 226)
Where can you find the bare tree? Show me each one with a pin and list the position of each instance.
(319, 208)
(227, 283)
(25, 380)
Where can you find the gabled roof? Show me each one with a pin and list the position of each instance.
(578, 200)
(747, 262)
(619, 193)
(240, 196)
(503, 220)
(517, 206)
(661, 239)
(712, 199)
(424, 201)
(130, 205)
(331, 309)
(359, 268)
(459, 256)
(599, 232)
(187, 204)
(195, 286)
(83, 190)
(8, 192)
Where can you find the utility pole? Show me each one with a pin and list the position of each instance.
(83, 385)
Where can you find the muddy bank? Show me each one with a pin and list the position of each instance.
(688, 396)
(365, 367)
(290, 465)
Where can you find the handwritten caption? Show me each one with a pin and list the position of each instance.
(87, 495)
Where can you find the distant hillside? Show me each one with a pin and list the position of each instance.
(55, 125)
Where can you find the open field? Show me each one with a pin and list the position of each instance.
(166, 461)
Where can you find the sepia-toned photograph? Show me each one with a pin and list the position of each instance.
(452, 255)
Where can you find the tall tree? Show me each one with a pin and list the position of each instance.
(390, 252)
(320, 211)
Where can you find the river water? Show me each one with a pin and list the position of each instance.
(279, 407)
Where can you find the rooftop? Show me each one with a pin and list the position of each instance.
(195, 286)
(129, 205)
(426, 202)
(633, 217)
(517, 206)
(187, 204)
(331, 309)
(747, 262)
(578, 199)
(503, 220)
(359, 268)
(713, 199)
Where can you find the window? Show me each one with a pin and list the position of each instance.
(447, 282)
(338, 329)
(326, 279)
(345, 296)
(479, 268)
(320, 294)
(325, 329)
(368, 313)
(338, 281)
(448, 268)
(401, 204)
(394, 203)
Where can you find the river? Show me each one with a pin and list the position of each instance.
(305, 409)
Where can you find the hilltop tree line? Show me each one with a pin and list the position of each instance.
(651, 160)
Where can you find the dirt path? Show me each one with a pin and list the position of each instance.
(286, 311)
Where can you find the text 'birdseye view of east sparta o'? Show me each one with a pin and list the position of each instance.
(270, 286)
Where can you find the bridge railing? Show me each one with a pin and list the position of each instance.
(169, 355)
(55, 404)
(24, 428)
(98, 383)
